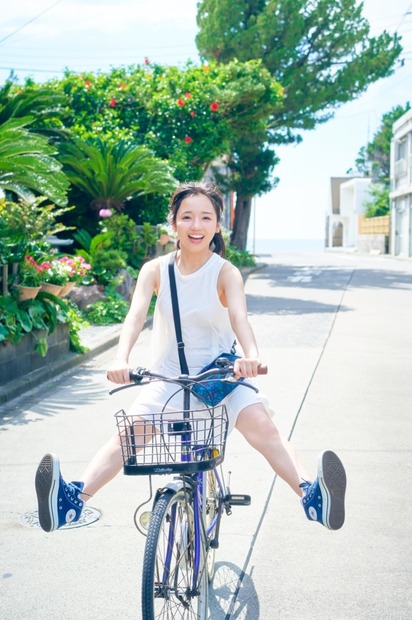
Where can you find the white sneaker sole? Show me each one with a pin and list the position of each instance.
(332, 484)
(47, 488)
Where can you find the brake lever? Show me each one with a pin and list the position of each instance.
(137, 374)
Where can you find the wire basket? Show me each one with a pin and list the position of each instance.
(168, 442)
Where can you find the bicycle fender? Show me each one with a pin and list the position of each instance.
(174, 485)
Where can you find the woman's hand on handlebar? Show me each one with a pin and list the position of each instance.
(248, 367)
(119, 372)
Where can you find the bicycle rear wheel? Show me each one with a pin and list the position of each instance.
(168, 589)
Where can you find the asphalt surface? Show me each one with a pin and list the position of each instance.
(335, 331)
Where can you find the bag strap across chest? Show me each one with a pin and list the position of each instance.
(176, 317)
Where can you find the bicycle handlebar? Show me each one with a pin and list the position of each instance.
(224, 367)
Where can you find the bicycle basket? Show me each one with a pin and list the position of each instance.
(167, 442)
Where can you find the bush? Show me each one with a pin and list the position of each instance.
(111, 310)
(107, 263)
(240, 258)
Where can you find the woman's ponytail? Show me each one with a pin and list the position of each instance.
(218, 245)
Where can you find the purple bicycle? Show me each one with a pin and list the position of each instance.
(183, 524)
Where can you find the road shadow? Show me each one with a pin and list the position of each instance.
(49, 399)
(333, 278)
(259, 304)
(232, 594)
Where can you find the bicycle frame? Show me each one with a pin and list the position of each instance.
(198, 489)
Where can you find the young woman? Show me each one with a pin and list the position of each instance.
(213, 313)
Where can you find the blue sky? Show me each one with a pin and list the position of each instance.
(42, 37)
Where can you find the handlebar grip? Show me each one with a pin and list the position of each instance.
(262, 370)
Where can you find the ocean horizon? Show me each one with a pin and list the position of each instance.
(276, 246)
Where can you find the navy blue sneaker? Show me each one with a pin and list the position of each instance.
(324, 499)
(59, 502)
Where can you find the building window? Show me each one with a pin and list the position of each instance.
(400, 149)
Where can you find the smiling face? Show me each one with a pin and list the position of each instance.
(196, 223)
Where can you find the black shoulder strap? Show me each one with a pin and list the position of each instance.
(176, 316)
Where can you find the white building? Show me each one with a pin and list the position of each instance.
(348, 196)
(401, 187)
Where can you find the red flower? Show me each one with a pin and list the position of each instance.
(192, 113)
(214, 106)
(112, 102)
(122, 86)
(146, 60)
(188, 140)
(188, 95)
(87, 84)
(180, 102)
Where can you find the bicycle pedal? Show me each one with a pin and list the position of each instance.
(238, 500)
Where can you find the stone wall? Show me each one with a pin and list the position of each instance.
(373, 244)
(16, 360)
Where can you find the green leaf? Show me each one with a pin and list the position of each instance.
(3, 333)
(27, 163)
(41, 347)
(25, 321)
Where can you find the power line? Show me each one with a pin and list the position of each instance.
(29, 22)
(407, 12)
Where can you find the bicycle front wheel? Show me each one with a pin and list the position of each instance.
(171, 560)
(212, 507)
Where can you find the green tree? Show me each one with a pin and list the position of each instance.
(320, 51)
(379, 203)
(188, 116)
(374, 160)
(28, 164)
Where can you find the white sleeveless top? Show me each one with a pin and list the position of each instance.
(206, 327)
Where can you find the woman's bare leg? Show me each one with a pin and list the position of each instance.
(260, 432)
(104, 466)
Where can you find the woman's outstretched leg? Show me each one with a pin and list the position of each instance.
(323, 499)
(260, 432)
(60, 502)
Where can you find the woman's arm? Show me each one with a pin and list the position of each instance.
(147, 284)
(232, 294)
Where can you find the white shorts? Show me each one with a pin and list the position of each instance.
(160, 396)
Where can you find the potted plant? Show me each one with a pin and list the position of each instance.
(55, 275)
(78, 269)
(29, 278)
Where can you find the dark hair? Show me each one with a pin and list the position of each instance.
(212, 192)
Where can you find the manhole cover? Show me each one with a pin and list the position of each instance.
(88, 516)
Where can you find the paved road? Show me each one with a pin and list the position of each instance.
(336, 333)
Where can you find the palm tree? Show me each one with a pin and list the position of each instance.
(46, 105)
(110, 174)
(27, 164)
